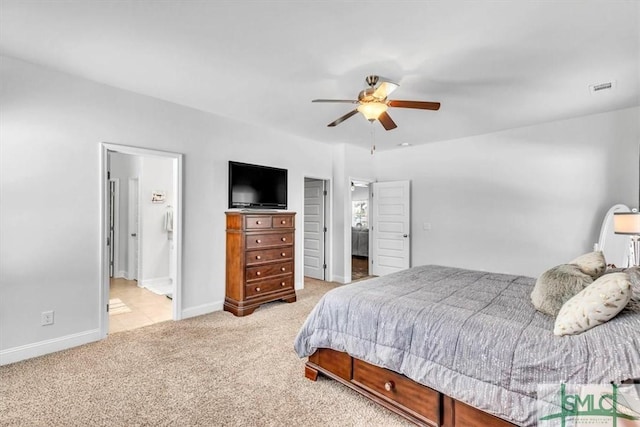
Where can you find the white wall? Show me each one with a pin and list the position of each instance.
(360, 194)
(349, 163)
(157, 175)
(51, 128)
(522, 200)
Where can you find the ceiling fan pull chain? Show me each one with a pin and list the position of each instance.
(373, 139)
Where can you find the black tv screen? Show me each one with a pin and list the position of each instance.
(257, 187)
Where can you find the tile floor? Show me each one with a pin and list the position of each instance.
(146, 307)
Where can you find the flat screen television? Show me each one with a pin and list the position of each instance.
(257, 187)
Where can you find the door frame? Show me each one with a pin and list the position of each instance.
(349, 216)
(134, 183)
(115, 244)
(103, 299)
(328, 220)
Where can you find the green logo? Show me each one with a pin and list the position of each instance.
(585, 404)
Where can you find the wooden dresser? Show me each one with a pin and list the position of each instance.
(260, 260)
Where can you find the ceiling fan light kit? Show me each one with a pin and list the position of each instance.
(372, 110)
(373, 103)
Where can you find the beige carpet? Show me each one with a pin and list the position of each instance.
(213, 370)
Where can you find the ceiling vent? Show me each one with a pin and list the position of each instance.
(602, 87)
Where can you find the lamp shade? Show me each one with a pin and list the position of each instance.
(372, 110)
(626, 223)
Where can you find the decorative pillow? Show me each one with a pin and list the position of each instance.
(592, 264)
(634, 278)
(556, 286)
(594, 305)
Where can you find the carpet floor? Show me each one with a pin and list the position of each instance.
(212, 370)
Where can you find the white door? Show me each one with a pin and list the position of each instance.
(314, 228)
(391, 240)
(132, 248)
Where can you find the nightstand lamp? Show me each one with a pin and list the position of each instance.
(629, 223)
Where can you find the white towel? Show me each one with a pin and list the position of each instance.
(168, 221)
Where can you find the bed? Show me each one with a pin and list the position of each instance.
(452, 347)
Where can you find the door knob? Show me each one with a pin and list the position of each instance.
(133, 234)
(405, 235)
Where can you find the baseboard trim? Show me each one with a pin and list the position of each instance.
(341, 279)
(41, 348)
(156, 281)
(202, 309)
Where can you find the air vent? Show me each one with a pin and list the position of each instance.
(602, 87)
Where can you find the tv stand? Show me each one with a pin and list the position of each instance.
(260, 259)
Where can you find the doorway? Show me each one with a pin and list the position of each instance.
(315, 228)
(360, 225)
(145, 288)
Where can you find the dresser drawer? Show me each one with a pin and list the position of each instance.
(283, 221)
(257, 222)
(269, 285)
(269, 270)
(266, 255)
(257, 241)
(398, 389)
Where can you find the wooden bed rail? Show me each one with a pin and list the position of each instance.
(417, 403)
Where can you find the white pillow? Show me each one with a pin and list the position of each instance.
(594, 305)
(592, 264)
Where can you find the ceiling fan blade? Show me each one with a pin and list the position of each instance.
(384, 89)
(421, 105)
(348, 101)
(386, 121)
(343, 118)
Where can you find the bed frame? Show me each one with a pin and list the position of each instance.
(417, 403)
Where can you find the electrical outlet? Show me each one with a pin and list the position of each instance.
(46, 318)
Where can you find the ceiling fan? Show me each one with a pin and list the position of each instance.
(373, 103)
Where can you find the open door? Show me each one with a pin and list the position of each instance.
(314, 228)
(391, 238)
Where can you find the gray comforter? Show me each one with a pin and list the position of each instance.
(472, 335)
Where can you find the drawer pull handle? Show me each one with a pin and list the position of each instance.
(283, 269)
(257, 289)
(283, 254)
(283, 222)
(284, 239)
(258, 241)
(258, 273)
(282, 284)
(258, 257)
(258, 222)
(389, 385)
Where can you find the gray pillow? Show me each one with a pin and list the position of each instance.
(634, 278)
(558, 285)
(592, 263)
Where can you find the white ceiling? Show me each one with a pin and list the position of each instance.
(493, 65)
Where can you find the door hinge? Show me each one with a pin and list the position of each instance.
(107, 307)
(324, 193)
(325, 229)
(324, 266)
(108, 174)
